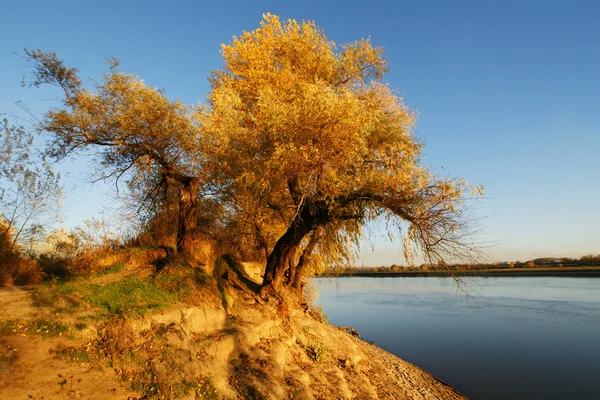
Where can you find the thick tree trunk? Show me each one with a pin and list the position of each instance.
(285, 250)
(297, 272)
(187, 223)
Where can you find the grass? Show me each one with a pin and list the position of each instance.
(113, 269)
(182, 281)
(48, 294)
(206, 390)
(37, 326)
(130, 297)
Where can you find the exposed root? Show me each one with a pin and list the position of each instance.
(269, 291)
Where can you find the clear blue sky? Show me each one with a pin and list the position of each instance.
(508, 91)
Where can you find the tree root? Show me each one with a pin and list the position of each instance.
(269, 291)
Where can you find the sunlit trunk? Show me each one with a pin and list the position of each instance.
(187, 224)
(297, 272)
(285, 250)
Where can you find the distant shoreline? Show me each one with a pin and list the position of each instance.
(588, 272)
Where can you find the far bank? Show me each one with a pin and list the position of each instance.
(504, 272)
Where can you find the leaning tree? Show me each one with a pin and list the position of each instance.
(135, 133)
(310, 131)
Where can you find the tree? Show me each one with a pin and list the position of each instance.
(29, 188)
(312, 133)
(135, 132)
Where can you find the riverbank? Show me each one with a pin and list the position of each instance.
(121, 335)
(503, 272)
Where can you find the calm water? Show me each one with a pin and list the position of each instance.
(512, 338)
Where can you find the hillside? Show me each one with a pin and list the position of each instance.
(187, 331)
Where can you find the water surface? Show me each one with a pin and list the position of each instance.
(510, 338)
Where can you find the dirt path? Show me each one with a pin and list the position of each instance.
(15, 302)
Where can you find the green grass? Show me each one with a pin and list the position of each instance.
(130, 297)
(48, 294)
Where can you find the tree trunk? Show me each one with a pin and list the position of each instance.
(187, 224)
(285, 249)
(297, 273)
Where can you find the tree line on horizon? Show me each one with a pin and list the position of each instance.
(299, 145)
(588, 260)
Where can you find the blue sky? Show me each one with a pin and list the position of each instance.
(508, 92)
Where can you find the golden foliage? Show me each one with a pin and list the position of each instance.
(295, 121)
(301, 143)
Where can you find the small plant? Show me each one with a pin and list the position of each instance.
(316, 351)
(62, 382)
(8, 358)
(80, 326)
(76, 354)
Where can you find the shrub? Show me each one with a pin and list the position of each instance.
(14, 268)
(316, 351)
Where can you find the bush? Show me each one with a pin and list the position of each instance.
(53, 266)
(14, 268)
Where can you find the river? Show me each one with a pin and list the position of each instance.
(506, 338)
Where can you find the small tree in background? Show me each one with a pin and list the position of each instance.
(29, 198)
(136, 135)
(30, 191)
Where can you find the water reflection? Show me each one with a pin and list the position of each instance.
(519, 338)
